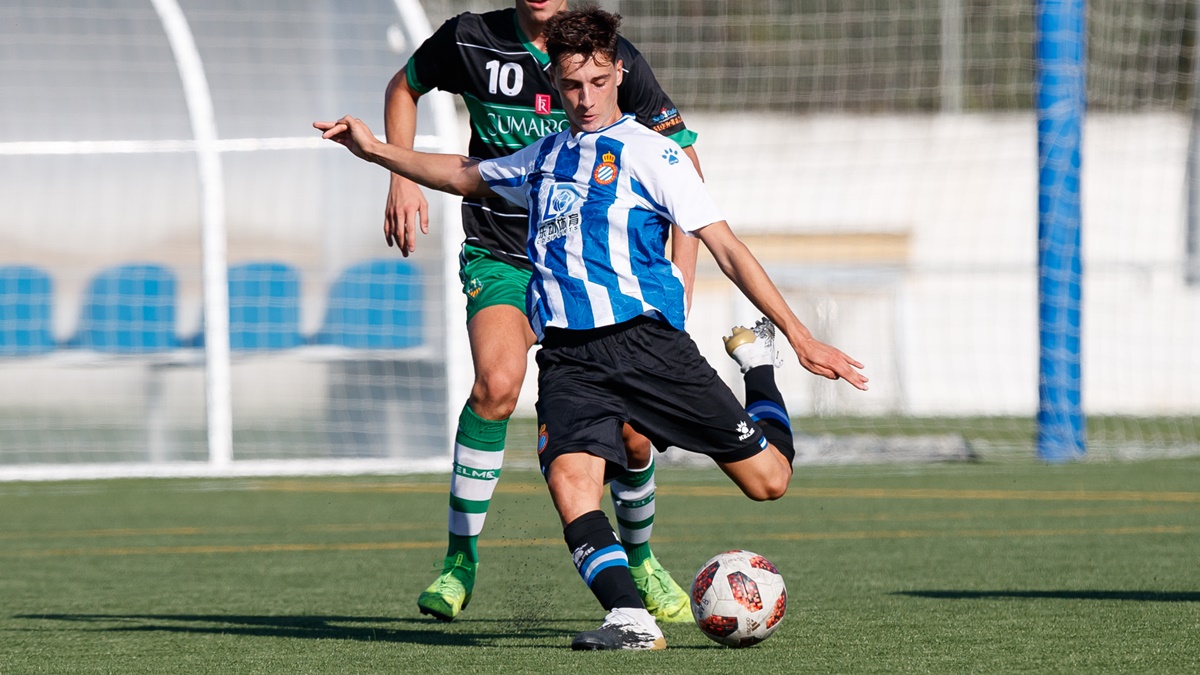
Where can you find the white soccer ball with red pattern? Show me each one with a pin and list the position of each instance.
(738, 598)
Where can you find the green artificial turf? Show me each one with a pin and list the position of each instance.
(968, 567)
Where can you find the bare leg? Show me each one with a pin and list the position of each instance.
(763, 477)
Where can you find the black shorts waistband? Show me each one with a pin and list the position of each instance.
(567, 337)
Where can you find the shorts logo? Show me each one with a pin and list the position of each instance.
(543, 438)
(606, 171)
(474, 287)
(541, 104)
(744, 431)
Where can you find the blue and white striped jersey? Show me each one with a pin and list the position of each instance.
(601, 206)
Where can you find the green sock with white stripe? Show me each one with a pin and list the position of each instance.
(633, 504)
(478, 456)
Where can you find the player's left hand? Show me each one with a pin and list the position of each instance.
(830, 362)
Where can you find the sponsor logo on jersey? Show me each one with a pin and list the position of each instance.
(664, 115)
(671, 155)
(560, 215)
(549, 230)
(510, 126)
(541, 104)
(606, 171)
(665, 119)
(661, 126)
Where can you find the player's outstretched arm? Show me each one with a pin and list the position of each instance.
(454, 174)
(740, 265)
(406, 204)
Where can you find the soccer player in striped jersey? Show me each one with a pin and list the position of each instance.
(608, 309)
(497, 63)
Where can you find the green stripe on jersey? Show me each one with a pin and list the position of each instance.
(512, 126)
(410, 76)
(684, 137)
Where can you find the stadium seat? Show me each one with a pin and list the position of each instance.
(25, 316)
(264, 307)
(374, 304)
(129, 309)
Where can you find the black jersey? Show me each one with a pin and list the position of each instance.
(505, 82)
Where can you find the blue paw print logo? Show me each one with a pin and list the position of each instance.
(671, 155)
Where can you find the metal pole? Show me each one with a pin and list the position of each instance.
(1060, 94)
(952, 56)
(213, 239)
(1191, 271)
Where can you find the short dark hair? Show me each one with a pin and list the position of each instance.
(588, 31)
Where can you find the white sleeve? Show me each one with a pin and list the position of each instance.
(507, 176)
(669, 180)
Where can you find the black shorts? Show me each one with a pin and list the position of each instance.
(643, 372)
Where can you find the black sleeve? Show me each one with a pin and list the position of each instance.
(641, 95)
(437, 63)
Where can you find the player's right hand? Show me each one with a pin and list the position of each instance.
(405, 204)
(350, 132)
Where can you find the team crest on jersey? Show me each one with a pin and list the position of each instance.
(606, 171)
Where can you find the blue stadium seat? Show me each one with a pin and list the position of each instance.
(129, 309)
(25, 317)
(264, 307)
(374, 305)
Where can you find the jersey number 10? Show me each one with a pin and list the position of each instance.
(507, 78)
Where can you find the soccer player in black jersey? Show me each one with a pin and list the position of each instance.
(497, 63)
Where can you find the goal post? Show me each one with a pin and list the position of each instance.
(1060, 93)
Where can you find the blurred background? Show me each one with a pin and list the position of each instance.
(879, 156)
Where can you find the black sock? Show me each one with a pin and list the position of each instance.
(601, 560)
(766, 408)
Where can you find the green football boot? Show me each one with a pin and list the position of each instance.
(451, 591)
(664, 599)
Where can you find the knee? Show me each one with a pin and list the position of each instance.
(638, 448)
(494, 395)
(768, 489)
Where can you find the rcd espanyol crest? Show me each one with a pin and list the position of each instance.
(606, 170)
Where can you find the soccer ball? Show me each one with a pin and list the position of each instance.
(738, 598)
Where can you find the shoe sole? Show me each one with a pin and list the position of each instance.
(586, 645)
(442, 616)
(739, 338)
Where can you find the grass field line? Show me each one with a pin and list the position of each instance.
(922, 516)
(795, 492)
(206, 549)
(208, 531)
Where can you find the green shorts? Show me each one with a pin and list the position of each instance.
(488, 281)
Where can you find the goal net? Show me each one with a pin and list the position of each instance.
(145, 123)
(879, 157)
